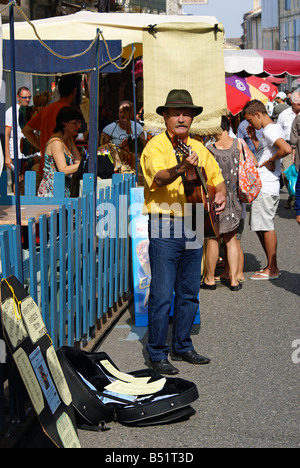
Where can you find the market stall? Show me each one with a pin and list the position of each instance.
(197, 41)
(262, 62)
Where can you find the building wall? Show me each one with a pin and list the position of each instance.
(25, 5)
(270, 24)
(173, 7)
(280, 25)
(289, 16)
(252, 38)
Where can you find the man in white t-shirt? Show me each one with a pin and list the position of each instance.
(23, 99)
(270, 150)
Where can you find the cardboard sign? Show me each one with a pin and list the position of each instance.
(31, 347)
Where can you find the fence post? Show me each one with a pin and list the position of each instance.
(33, 267)
(71, 275)
(62, 275)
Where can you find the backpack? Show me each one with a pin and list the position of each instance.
(25, 114)
(249, 179)
(151, 399)
(105, 166)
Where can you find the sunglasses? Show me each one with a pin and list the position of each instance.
(75, 122)
(25, 97)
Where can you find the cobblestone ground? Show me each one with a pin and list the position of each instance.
(249, 394)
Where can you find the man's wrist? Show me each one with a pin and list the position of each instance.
(178, 169)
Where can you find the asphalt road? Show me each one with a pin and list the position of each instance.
(249, 393)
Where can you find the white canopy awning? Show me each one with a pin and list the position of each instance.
(259, 61)
(127, 27)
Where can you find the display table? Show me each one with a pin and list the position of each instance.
(8, 213)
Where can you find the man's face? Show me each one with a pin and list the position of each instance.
(254, 120)
(24, 98)
(178, 121)
(296, 107)
(124, 114)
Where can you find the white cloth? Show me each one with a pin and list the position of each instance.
(266, 149)
(9, 123)
(118, 135)
(285, 120)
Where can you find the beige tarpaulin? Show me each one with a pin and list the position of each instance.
(185, 56)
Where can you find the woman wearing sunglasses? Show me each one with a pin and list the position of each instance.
(61, 153)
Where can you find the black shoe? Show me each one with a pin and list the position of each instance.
(210, 287)
(191, 357)
(164, 367)
(236, 288)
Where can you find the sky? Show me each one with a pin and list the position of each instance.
(228, 12)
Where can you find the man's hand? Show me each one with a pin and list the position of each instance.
(8, 161)
(270, 165)
(251, 132)
(167, 176)
(298, 219)
(190, 162)
(220, 198)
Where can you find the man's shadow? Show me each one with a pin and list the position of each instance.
(289, 282)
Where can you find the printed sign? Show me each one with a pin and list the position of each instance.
(140, 257)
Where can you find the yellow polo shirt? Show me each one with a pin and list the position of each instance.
(159, 154)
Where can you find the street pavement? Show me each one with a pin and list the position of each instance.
(249, 393)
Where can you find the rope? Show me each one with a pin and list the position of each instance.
(64, 57)
(15, 301)
(99, 34)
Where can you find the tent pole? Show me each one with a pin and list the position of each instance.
(93, 127)
(135, 126)
(97, 110)
(14, 114)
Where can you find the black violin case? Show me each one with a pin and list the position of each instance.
(156, 400)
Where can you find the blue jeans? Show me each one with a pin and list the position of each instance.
(174, 267)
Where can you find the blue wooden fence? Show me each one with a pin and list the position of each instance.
(76, 269)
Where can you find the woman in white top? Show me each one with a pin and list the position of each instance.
(118, 132)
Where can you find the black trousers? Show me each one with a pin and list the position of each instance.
(103, 6)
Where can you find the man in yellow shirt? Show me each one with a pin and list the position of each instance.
(175, 257)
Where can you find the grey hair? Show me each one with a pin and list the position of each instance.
(295, 95)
